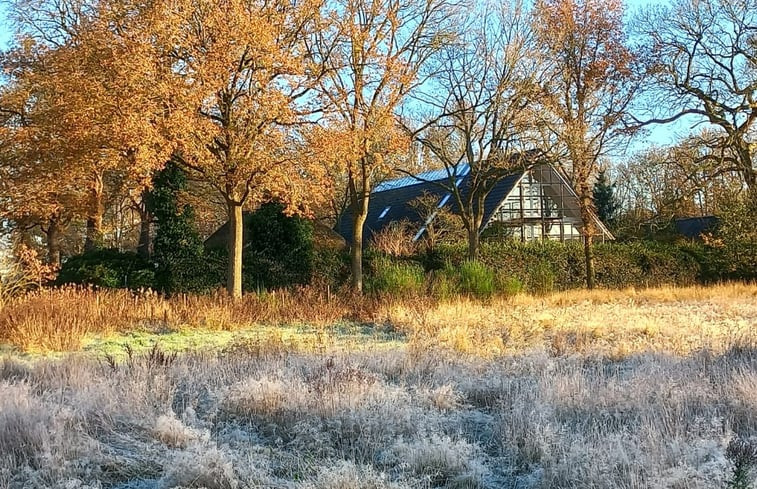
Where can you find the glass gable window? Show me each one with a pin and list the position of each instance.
(540, 206)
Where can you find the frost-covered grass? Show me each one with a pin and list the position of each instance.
(388, 419)
(623, 390)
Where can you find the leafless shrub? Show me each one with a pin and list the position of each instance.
(348, 475)
(201, 467)
(395, 239)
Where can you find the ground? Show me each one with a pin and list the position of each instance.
(625, 389)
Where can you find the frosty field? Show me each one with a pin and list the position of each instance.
(609, 389)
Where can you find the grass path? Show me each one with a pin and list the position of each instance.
(302, 338)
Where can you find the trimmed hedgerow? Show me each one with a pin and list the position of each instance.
(723, 262)
(545, 266)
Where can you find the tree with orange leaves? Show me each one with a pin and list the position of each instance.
(373, 52)
(36, 188)
(95, 86)
(241, 86)
(588, 85)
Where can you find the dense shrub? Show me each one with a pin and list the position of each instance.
(279, 251)
(541, 278)
(509, 286)
(395, 276)
(545, 266)
(107, 268)
(181, 262)
(330, 266)
(723, 261)
(476, 279)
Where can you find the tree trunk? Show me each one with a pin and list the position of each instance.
(358, 220)
(589, 259)
(94, 237)
(145, 228)
(474, 242)
(473, 226)
(589, 231)
(53, 242)
(235, 243)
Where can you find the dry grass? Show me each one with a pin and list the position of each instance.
(630, 389)
(60, 319)
(380, 420)
(611, 323)
(616, 322)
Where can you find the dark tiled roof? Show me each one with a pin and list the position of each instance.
(398, 200)
(694, 227)
(220, 238)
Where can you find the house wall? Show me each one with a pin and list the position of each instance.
(540, 206)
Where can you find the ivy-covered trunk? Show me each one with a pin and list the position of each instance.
(145, 229)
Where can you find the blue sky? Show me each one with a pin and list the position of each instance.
(5, 27)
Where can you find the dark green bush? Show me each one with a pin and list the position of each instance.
(330, 267)
(279, 251)
(107, 268)
(724, 261)
(182, 265)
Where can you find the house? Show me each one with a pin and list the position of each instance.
(694, 227)
(533, 204)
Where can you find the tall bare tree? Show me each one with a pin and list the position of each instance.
(479, 109)
(586, 93)
(662, 182)
(702, 55)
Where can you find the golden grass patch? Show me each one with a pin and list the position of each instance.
(613, 322)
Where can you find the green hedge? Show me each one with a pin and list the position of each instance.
(545, 266)
(731, 261)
